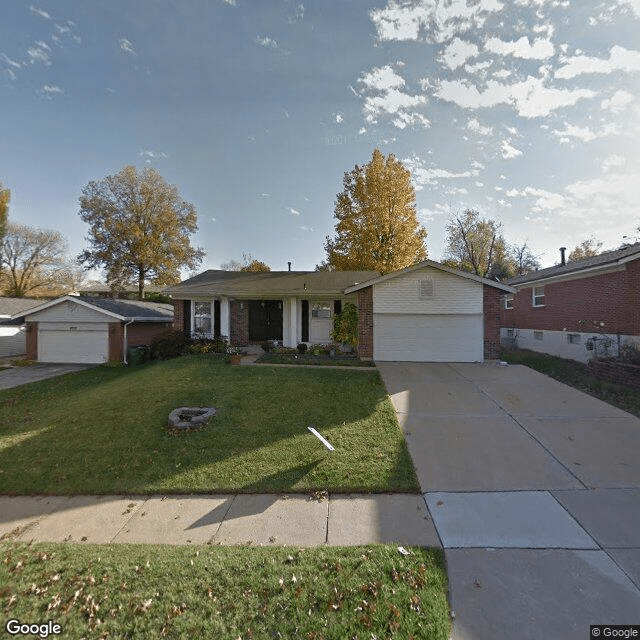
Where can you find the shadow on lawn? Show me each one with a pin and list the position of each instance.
(130, 451)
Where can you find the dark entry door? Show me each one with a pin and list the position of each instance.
(265, 320)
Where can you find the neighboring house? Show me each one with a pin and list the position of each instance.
(12, 332)
(91, 330)
(250, 307)
(576, 309)
(427, 312)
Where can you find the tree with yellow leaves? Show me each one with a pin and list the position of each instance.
(377, 228)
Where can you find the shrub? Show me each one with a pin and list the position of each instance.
(629, 353)
(302, 348)
(208, 345)
(345, 325)
(170, 344)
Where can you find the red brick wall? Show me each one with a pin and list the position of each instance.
(178, 314)
(142, 333)
(581, 305)
(365, 323)
(491, 299)
(32, 340)
(116, 339)
(239, 320)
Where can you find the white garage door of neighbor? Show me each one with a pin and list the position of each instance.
(74, 344)
(428, 338)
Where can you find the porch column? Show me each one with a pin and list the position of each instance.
(225, 327)
(291, 337)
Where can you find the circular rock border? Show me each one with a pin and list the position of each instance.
(186, 418)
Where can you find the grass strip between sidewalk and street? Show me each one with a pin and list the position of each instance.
(150, 591)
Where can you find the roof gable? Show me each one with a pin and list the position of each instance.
(434, 265)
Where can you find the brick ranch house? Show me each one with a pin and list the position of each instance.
(576, 309)
(73, 329)
(427, 312)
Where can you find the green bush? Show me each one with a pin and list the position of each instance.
(345, 325)
(203, 346)
(302, 348)
(170, 344)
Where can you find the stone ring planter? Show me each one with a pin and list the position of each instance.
(191, 417)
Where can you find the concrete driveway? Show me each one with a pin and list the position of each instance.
(534, 489)
(17, 376)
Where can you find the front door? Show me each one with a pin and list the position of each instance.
(265, 320)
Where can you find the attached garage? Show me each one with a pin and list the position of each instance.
(429, 313)
(73, 343)
(86, 330)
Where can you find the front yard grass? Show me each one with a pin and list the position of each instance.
(150, 591)
(103, 431)
(577, 375)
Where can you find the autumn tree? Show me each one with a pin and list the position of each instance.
(249, 263)
(586, 249)
(34, 262)
(139, 229)
(5, 194)
(475, 244)
(377, 228)
(523, 260)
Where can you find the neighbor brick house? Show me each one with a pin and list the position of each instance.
(576, 309)
(427, 312)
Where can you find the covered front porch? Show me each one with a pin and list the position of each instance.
(289, 320)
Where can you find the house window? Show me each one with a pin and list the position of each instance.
(321, 310)
(510, 333)
(538, 296)
(573, 338)
(202, 317)
(425, 289)
(508, 300)
(538, 335)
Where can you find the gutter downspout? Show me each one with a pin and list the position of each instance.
(124, 345)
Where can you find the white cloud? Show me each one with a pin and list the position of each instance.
(458, 52)
(620, 59)
(265, 41)
(530, 97)
(51, 90)
(231, 3)
(305, 228)
(293, 211)
(339, 118)
(430, 176)
(618, 101)
(613, 162)
(39, 54)
(585, 133)
(12, 63)
(297, 15)
(431, 20)
(478, 67)
(508, 151)
(150, 155)
(632, 5)
(501, 74)
(539, 50)
(382, 79)
(127, 46)
(40, 12)
(392, 102)
(474, 126)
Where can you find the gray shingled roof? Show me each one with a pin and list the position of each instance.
(601, 260)
(131, 308)
(244, 283)
(11, 306)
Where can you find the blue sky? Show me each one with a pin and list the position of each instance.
(528, 110)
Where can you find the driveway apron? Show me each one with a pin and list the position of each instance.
(534, 489)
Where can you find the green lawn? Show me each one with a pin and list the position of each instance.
(149, 591)
(576, 374)
(103, 431)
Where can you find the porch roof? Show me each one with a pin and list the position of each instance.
(244, 284)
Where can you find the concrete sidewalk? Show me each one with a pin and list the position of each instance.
(256, 519)
(534, 489)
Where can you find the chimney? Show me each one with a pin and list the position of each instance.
(289, 265)
(562, 260)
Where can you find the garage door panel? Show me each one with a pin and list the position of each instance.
(73, 346)
(428, 338)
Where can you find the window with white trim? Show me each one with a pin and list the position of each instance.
(538, 335)
(537, 296)
(321, 310)
(202, 317)
(507, 300)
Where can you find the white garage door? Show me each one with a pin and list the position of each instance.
(428, 338)
(73, 344)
